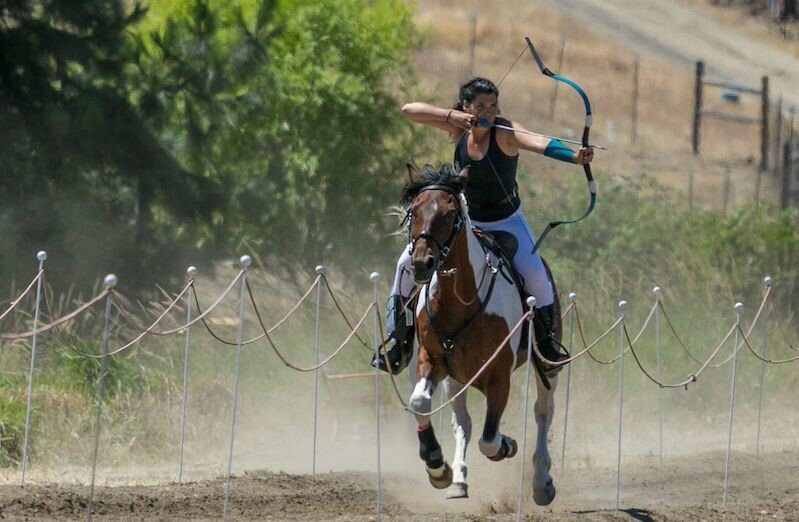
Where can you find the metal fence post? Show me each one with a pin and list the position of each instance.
(245, 261)
(622, 308)
(374, 277)
(320, 270)
(572, 298)
(41, 256)
(530, 334)
(657, 292)
(738, 309)
(191, 272)
(110, 281)
(767, 282)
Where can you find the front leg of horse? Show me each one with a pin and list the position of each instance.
(462, 430)
(543, 486)
(494, 444)
(438, 471)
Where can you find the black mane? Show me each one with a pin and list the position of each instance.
(445, 176)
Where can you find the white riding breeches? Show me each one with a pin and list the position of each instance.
(403, 277)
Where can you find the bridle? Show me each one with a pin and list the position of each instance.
(446, 246)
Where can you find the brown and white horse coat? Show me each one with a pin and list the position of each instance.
(468, 302)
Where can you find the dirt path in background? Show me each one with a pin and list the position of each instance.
(732, 51)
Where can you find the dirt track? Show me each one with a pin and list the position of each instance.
(688, 488)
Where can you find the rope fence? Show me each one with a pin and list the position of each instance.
(247, 301)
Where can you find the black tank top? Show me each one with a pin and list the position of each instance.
(489, 198)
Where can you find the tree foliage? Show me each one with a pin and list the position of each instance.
(81, 173)
(295, 107)
(204, 128)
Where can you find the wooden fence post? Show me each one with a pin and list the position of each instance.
(472, 40)
(764, 126)
(727, 189)
(700, 72)
(785, 196)
(634, 130)
(778, 135)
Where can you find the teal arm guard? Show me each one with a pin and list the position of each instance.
(559, 151)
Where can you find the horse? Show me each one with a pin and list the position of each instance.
(465, 309)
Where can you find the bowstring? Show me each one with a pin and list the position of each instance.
(521, 219)
(524, 49)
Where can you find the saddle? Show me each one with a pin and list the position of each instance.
(504, 246)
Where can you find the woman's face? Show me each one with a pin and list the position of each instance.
(484, 106)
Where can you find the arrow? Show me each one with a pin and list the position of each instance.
(482, 122)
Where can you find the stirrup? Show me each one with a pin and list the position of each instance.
(551, 370)
(548, 348)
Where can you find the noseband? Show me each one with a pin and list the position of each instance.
(443, 249)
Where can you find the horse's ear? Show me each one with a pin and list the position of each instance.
(413, 173)
(463, 175)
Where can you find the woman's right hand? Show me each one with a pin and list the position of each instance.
(462, 120)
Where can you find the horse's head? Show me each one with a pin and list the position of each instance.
(435, 216)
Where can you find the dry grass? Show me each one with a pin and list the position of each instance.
(605, 70)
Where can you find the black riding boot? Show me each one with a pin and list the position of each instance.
(545, 337)
(399, 344)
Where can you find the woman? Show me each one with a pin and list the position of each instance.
(492, 154)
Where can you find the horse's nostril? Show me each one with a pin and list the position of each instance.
(423, 268)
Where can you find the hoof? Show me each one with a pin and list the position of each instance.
(544, 496)
(512, 447)
(507, 450)
(458, 490)
(440, 478)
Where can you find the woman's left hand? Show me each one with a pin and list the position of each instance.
(584, 155)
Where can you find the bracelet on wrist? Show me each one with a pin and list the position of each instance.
(449, 114)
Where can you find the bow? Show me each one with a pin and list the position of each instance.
(585, 143)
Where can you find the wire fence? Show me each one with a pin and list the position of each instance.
(247, 303)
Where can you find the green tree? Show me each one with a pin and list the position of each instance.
(294, 105)
(81, 172)
(133, 142)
